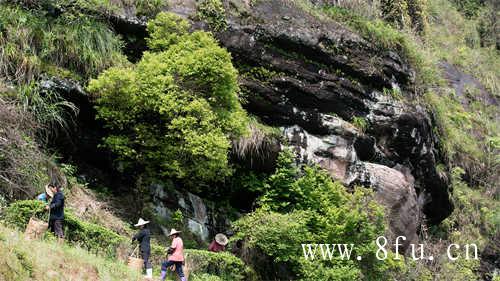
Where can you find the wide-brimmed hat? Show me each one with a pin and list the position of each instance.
(141, 222)
(48, 191)
(173, 231)
(221, 239)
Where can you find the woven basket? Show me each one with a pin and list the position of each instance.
(35, 229)
(134, 262)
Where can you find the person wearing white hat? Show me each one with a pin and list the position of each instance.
(144, 238)
(176, 257)
(44, 197)
(219, 243)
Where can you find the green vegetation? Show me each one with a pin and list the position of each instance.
(303, 205)
(47, 260)
(395, 93)
(360, 123)
(388, 38)
(149, 8)
(212, 12)
(405, 13)
(51, 112)
(174, 112)
(223, 265)
(104, 242)
(31, 43)
(89, 236)
(22, 163)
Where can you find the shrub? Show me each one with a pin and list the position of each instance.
(222, 264)
(47, 260)
(165, 30)
(90, 236)
(202, 262)
(212, 11)
(19, 213)
(174, 112)
(149, 7)
(303, 205)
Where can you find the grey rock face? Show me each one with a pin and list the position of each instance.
(203, 218)
(324, 75)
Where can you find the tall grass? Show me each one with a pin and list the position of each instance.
(22, 164)
(47, 260)
(30, 42)
(52, 113)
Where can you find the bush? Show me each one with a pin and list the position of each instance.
(222, 264)
(149, 7)
(174, 112)
(47, 260)
(303, 205)
(212, 11)
(19, 213)
(202, 263)
(90, 236)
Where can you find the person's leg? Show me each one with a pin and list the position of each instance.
(147, 264)
(180, 272)
(51, 226)
(164, 267)
(58, 230)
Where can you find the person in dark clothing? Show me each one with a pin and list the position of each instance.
(144, 237)
(56, 208)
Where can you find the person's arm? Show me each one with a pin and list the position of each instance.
(173, 246)
(211, 247)
(58, 201)
(138, 236)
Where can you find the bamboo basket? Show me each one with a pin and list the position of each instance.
(35, 229)
(134, 262)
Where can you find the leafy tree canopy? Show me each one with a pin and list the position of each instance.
(174, 112)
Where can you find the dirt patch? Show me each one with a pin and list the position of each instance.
(87, 206)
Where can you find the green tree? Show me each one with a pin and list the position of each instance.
(303, 205)
(174, 112)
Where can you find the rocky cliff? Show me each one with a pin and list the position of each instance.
(324, 77)
(341, 101)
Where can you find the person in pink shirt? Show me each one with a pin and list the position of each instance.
(176, 257)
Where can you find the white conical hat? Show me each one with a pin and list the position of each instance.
(221, 239)
(173, 231)
(48, 191)
(141, 222)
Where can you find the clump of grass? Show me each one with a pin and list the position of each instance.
(52, 113)
(386, 37)
(29, 42)
(360, 123)
(395, 93)
(258, 143)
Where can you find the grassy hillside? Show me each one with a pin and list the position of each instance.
(47, 260)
